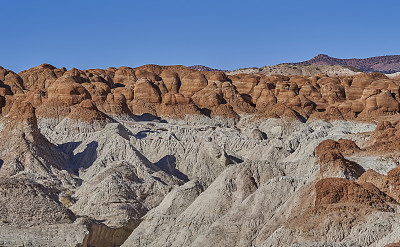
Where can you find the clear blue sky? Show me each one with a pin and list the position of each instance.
(220, 34)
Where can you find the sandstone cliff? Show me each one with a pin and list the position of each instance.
(170, 156)
(157, 90)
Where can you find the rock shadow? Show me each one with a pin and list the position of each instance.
(68, 147)
(82, 160)
(205, 112)
(147, 117)
(143, 134)
(236, 160)
(168, 165)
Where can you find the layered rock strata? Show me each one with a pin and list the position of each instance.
(168, 156)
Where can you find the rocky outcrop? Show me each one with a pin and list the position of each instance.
(192, 83)
(343, 191)
(10, 82)
(67, 93)
(387, 183)
(26, 203)
(332, 162)
(384, 64)
(385, 138)
(168, 156)
(171, 81)
(27, 152)
(361, 81)
(146, 91)
(40, 77)
(127, 91)
(88, 112)
(125, 76)
(202, 68)
(208, 97)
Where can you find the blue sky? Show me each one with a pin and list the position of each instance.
(220, 34)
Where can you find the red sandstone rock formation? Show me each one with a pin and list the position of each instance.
(25, 142)
(339, 190)
(386, 138)
(390, 183)
(332, 162)
(192, 83)
(88, 112)
(127, 90)
(177, 91)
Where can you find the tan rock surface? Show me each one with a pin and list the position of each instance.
(125, 76)
(146, 92)
(332, 162)
(339, 190)
(192, 83)
(363, 96)
(41, 77)
(168, 156)
(25, 203)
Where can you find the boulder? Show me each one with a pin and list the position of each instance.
(171, 81)
(360, 82)
(338, 190)
(40, 77)
(192, 83)
(332, 162)
(125, 76)
(208, 97)
(67, 93)
(147, 92)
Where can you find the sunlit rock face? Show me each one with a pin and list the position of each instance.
(170, 156)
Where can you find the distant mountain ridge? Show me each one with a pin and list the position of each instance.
(384, 64)
(203, 68)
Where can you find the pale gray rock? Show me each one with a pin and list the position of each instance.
(195, 182)
(159, 219)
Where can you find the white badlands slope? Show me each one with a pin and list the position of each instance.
(197, 182)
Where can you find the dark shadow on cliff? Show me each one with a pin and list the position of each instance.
(206, 112)
(143, 134)
(82, 160)
(147, 117)
(168, 165)
(68, 147)
(234, 159)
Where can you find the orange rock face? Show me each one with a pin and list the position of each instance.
(125, 90)
(342, 189)
(192, 83)
(332, 162)
(386, 138)
(174, 99)
(40, 77)
(208, 97)
(245, 83)
(390, 183)
(171, 81)
(125, 76)
(393, 245)
(360, 82)
(10, 83)
(87, 111)
(146, 92)
(67, 93)
(21, 112)
(338, 190)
